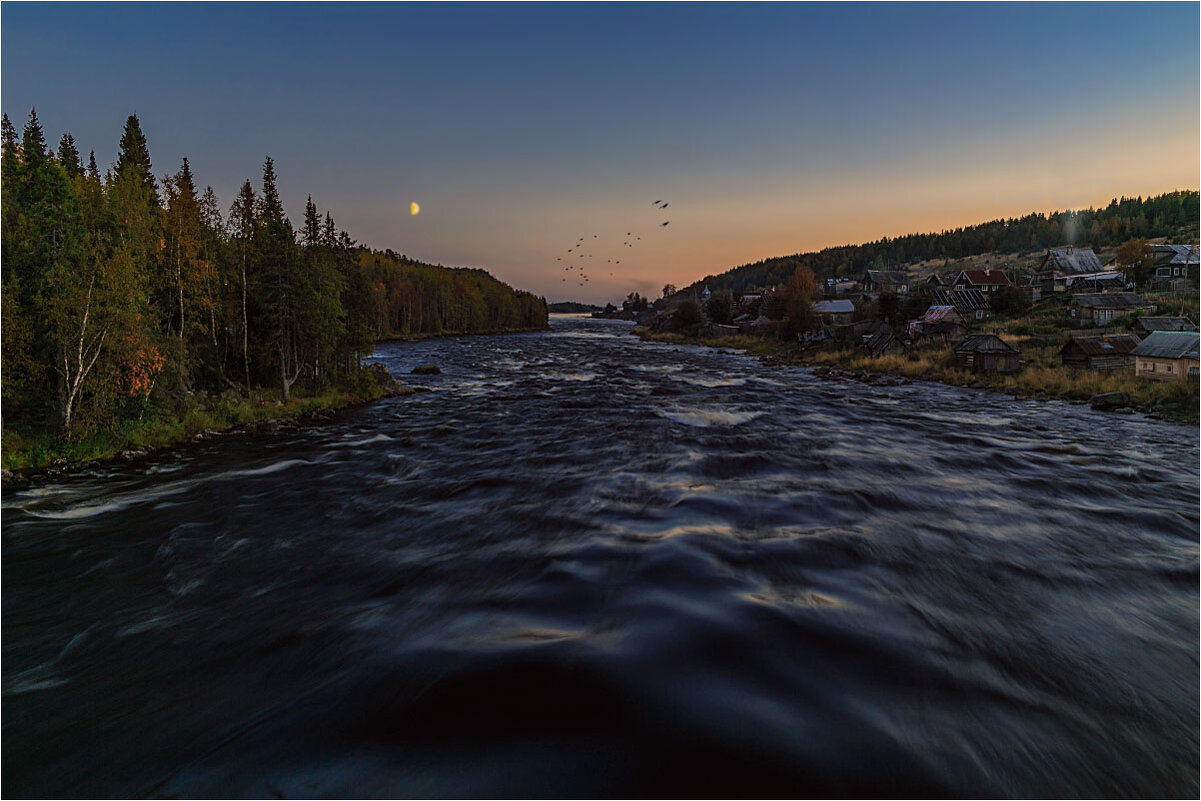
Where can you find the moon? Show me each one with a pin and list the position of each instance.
(414, 209)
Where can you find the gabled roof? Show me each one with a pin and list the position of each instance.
(1169, 345)
(879, 340)
(1110, 300)
(1165, 324)
(1111, 345)
(888, 276)
(1181, 254)
(942, 280)
(964, 300)
(986, 277)
(984, 343)
(1077, 260)
(833, 307)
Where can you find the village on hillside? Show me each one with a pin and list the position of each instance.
(1068, 322)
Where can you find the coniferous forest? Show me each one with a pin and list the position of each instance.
(127, 295)
(1172, 215)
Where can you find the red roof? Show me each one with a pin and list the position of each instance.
(991, 277)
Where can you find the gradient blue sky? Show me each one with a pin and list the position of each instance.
(770, 128)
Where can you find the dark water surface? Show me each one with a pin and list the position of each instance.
(587, 565)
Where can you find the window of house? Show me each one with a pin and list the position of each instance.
(1167, 368)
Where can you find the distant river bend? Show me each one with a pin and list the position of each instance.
(588, 565)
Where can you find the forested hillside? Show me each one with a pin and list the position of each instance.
(126, 295)
(1172, 215)
(408, 298)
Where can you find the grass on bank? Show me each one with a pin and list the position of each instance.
(1042, 372)
(21, 451)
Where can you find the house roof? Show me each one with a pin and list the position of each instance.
(1110, 278)
(1110, 300)
(964, 300)
(1169, 345)
(888, 276)
(879, 340)
(942, 280)
(834, 307)
(1181, 254)
(1113, 344)
(1078, 260)
(984, 343)
(936, 313)
(989, 277)
(1165, 324)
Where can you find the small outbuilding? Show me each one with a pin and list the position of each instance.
(882, 342)
(1145, 326)
(1106, 352)
(987, 353)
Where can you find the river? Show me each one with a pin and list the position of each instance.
(585, 565)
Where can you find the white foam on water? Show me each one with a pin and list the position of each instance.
(368, 441)
(704, 381)
(571, 376)
(122, 501)
(705, 418)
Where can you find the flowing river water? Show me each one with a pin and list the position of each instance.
(587, 565)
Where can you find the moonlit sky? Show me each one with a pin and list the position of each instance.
(770, 129)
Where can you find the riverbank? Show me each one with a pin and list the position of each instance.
(1039, 379)
(26, 458)
(442, 334)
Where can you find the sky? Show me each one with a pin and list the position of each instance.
(769, 129)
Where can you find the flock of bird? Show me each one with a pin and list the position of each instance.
(583, 244)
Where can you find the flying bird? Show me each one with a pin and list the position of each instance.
(657, 202)
(666, 222)
(663, 206)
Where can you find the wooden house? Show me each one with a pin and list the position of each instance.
(1168, 356)
(834, 312)
(895, 281)
(940, 324)
(1103, 308)
(1143, 326)
(1060, 265)
(1106, 352)
(986, 280)
(987, 353)
(971, 304)
(1172, 265)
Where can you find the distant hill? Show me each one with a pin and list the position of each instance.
(568, 307)
(1173, 215)
(411, 297)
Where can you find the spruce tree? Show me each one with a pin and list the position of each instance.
(8, 135)
(33, 142)
(68, 156)
(133, 160)
(311, 234)
(93, 170)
